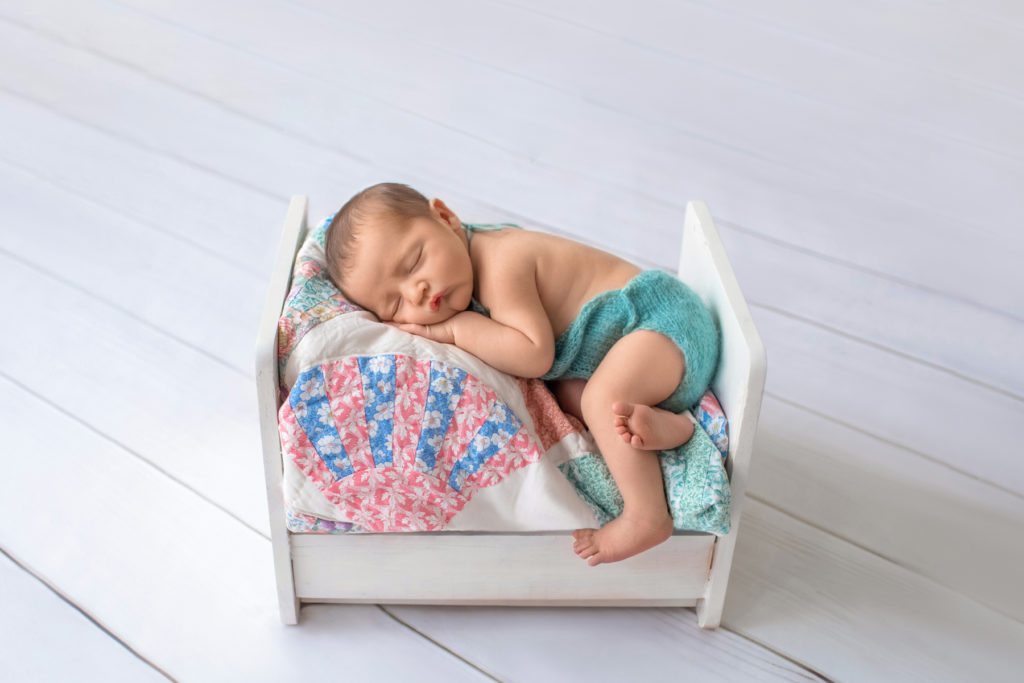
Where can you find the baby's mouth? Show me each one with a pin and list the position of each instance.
(435, 303)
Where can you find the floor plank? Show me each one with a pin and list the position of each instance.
(912, 404)
(183, 414)
(199, 299)
(909, 509)
(35, 620)
(662, 644)
(122, 99)
(916, 33)
(718, 38)
(856, 616)
(1009, 15)
(975, 343)
(232, 221)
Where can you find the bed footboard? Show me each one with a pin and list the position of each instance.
(738, 384)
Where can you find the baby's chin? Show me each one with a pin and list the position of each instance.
(461, 303)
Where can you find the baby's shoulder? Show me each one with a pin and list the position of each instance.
(523, 244)
(508, 248)
(518, 252)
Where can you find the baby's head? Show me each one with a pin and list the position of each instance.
(399, 255)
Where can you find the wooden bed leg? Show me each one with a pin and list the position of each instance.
(287, 603)
(707, 615)
(709, 608)
(289, 606)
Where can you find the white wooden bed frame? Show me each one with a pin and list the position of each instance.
(690, 569)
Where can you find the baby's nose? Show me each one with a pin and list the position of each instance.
(417, 292)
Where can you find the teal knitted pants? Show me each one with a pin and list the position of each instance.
(653, 300)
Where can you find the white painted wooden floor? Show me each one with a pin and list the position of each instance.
(864, 162)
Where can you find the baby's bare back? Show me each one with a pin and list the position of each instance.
(569, 274)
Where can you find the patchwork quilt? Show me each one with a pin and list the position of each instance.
(386, 431)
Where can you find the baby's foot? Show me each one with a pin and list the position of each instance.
(651, 429)
(621, 538)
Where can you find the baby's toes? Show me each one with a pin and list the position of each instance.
(584, 545)
(586, 549)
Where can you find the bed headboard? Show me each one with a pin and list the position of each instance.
(267, 391)
(739, 381)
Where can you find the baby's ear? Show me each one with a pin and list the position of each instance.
(441, 210)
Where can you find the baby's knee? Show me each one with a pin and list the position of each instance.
(596, 402)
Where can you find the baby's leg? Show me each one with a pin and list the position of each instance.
(569, 394)
(628, 375)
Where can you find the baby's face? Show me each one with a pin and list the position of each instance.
(417, 272)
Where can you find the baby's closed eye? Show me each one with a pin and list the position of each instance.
(416, 260)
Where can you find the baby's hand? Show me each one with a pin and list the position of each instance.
(440, 332)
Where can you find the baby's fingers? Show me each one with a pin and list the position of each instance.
(412, 328)
(425, 331)
(433, 332)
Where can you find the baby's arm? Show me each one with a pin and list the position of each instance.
(517, 338)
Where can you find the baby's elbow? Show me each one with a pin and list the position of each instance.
(541, 361)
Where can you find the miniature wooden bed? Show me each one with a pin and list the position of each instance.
(539, 568)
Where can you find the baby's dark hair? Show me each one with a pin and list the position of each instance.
(393, 200)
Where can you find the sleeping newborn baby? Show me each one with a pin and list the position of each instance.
(631, 349)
